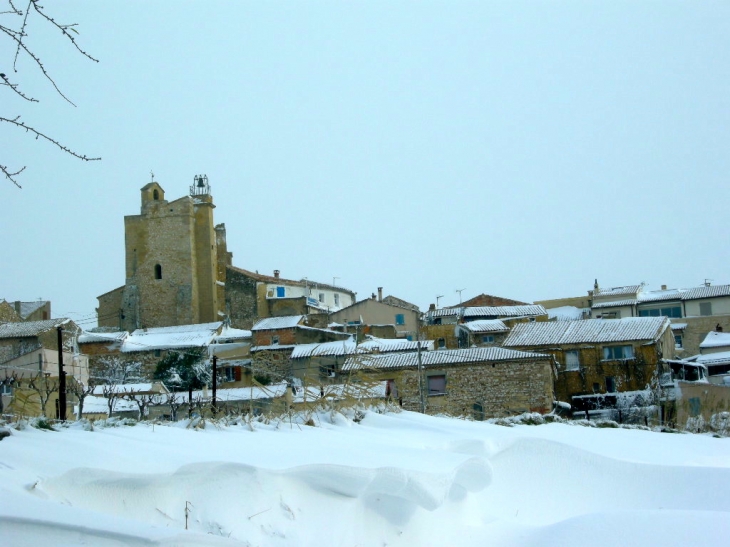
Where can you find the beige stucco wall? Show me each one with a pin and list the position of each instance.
(374, 312)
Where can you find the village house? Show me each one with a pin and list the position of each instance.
(597, 358)
(321, 363)
(374, 312)
(29, 366)
(482, 332)
(274, 340)
(693, 312)
(476, 382)
(38, 310)
(251, 296)
(442, 324)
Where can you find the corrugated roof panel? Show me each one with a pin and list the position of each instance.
(504, 311)
(614, 304)
(180, 336)
(710, 291)
(272, 323)
(439, 358)
(587, 331)
(486, 325)
(616, 291)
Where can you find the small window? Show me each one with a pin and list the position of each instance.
(678, 341)
(6, 389)
(437, 385)
(158, 271)
(280, 292)
(230, 374)
(337, 299)
(596, 387)
(274, 340)
(441, 343)
(572, 360)
(478, 411)
(705, 308)
(488, 339)
(612, 353)
(157, 353)
(400, 319)
(610, 384)
(155, 195)
(321, 297)
(391, 390)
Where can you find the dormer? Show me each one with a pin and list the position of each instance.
(152, 193)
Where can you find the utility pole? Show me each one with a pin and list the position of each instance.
(420, 367)
(61, 378)
(214, 405)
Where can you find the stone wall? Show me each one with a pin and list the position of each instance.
(481, 390)
(696, 331)
(241, 298)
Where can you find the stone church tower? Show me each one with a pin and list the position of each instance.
(176, 262)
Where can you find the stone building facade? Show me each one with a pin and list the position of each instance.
(175, 263)
(475, 382)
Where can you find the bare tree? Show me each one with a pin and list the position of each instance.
(14, 26)
(44, 386)
(174, 401)
(143, 402)
(81, 392)
(113, 371)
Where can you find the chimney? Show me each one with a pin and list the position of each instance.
(432, 307)
(380, 294)
(276, 274)
(664, 287)
(372, 296)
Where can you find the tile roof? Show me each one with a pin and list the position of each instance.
(614, 304)
(180, 336)
(486, 325)
(29, 328)
(505, 311)
(616, 291)
(347, 347)
(109, 337)
(272, 323)
(706, 292)
(439, 358)
(587, 331)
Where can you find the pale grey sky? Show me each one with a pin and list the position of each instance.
(520, 149)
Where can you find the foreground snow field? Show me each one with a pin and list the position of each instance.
(390, 479)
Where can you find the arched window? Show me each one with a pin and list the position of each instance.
(158, 271)
(155, 196)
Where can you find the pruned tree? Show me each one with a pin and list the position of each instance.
(173, 401)
(44, 386)
(16, 22)
(81, 391)
(112, 371)
(143, 402)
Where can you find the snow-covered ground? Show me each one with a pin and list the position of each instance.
(389, 479)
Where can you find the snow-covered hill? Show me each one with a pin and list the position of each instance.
(389, 479)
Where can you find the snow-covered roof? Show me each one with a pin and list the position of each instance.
(587, 331)
(712, 359)
(706, 291)
(716, 339)
(439, 358)
(565, 313)
(486, 325)
(229, 333)
(347, 347)
(614, 304)
(617, 291)
(108, 337)
(29, 328)
(180, 336)
(273, 323)
(504, 311)
(155, 387)
(679, 326)
(26, 308)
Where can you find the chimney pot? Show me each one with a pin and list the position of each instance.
(432, 307)
(380, 294)
(664, 287)
(276, 274)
